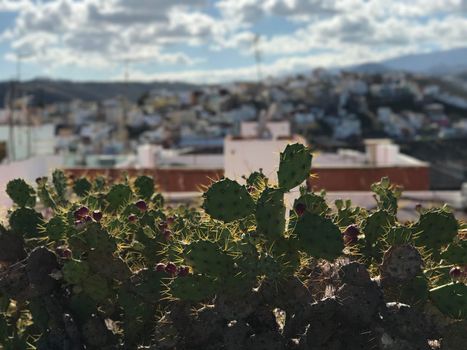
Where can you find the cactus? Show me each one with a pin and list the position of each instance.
(435, 229)
(227, 201)
(21, 193)
(401, 263)
(82, 187)
(319, 237)
(270, 213)
(25, 221)
(456, 253)
(55, 228)
(60, 184)
(207, 258)
(294, 167)
(235, 278)
(118, 196)
(144, 187)
(451, 300)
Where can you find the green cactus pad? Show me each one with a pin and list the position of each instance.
(257, 179)
(294, 167)
(435, 228)
(82, 187)
(451, 300)
(193, 288)
(118, 196)
(82, 307)
(376, 226)
(456, 253)
(25, 221)
(60, 183)
(145, 187)
(414, 292)
(56, 228)
(227, 200)
(21, 193)
(98, 238)
(75, 271)
(207, 258)
(96, 287)
(319, 237)
(270, 213)
(399, 235)
(148, 284)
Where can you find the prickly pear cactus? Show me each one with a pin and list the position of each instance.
(21, 193)
(294, 167)
(319, 237)
(451, 299)
(435, 229)
(270, 213)
(227, 201)
(112, 267)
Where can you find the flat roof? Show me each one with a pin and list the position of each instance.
(353, 159)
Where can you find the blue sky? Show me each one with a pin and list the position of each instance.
(212, 40)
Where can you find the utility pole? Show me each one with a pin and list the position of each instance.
(258, 57)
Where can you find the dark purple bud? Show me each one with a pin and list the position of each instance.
(352, 230)
(132, 218)
(87, 218)
(455, 273)
(170, 220)
(97, 215)
(171, 269)
(160, 267)
(63, 253)
(350, 240)
(183, 271)
(300, 209)
(81, 212)
(141, 205)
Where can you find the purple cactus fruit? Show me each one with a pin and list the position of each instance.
(167, 234)
(132, 218)
(170, 220)
(63, 252)
(160, 267)
(455, 273)
(141, 205)
(87, 218)
(162, 225)
(300, 209)
(352, 230)
(350, 240)
(183, 271)
(97, 215)
(250, 189)
(171, 268)
(81, 212)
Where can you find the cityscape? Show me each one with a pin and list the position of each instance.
(186, 127)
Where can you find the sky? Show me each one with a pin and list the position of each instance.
(214, 40)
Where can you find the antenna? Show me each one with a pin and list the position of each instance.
(258, 56)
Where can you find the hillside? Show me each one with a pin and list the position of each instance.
(49, 91)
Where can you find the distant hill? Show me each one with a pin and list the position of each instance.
(431, 63)
(49, 91)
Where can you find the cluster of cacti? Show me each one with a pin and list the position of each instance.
(114, 268)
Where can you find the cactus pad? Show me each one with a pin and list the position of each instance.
(456, 253)
(207, 258)
(25, 221)
(270, 213)
(96, 287)
(60, 183)
(319, 237)
(118, 196)
(193, 288)
(145, 186)
(401, 263)
(21, 193)
(435, 228)
(56, 228)
(82, 187)
(451, 300)
(227, 201)
(294, 167)
(75, 271)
